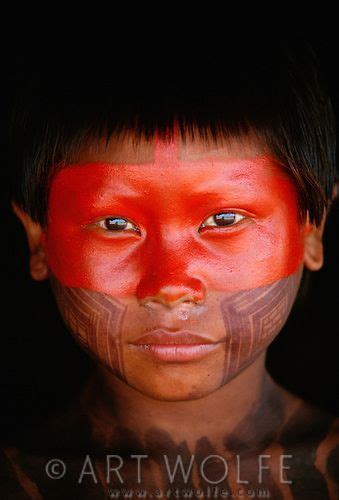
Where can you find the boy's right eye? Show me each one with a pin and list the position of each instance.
(117, 224)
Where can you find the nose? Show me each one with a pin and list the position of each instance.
(191, 290)
(167, 279)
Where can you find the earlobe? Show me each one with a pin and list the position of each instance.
(38, 265)
(313, 246)
(313, 253)
(34, 233)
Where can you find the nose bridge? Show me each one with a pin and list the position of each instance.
(166, 277)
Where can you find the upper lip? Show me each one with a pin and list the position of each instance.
(165, 337)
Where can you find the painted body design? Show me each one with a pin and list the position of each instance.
(313, 466)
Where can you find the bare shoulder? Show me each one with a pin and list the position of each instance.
(310, 436)
(307, 424)
(327, 455)
(49, 462)
(10, 485)
(44, 461)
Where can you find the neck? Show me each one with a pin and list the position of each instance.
(245, 406)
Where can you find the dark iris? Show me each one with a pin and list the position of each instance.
(115, 223)
(224, 219)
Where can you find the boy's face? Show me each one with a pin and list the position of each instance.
(171, 239)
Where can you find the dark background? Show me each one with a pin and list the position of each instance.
(42, 367)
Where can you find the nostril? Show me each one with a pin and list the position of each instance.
(150, 303)
(160, 301)
(190, 291)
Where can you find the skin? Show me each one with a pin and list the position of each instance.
(235, 284)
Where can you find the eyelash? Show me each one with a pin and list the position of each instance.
(204, 225)
(102, 223)
(238, 218)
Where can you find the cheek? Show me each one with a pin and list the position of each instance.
(80, 259)
(95, 321)
(257, 256)
(253, 318)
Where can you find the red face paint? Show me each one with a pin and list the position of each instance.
(168, 199)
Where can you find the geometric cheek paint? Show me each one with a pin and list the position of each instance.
(251, 320)
(95, 321)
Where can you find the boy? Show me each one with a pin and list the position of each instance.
(174, 230)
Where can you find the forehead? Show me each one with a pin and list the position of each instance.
(128, 165)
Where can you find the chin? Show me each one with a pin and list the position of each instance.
(176, 396)
(169, 392)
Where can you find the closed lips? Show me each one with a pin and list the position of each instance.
(176, 347)
(163, 337)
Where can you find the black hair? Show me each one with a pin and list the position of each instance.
(273, 90)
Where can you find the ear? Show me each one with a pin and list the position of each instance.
(313, 248)
(38, 264)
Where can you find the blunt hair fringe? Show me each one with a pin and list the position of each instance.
(274, 91)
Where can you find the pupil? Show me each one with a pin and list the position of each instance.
(224, 219)
(115, 223)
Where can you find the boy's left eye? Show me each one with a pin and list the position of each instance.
(223, 219)
(117, 224)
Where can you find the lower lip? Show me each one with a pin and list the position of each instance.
(176, 352)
